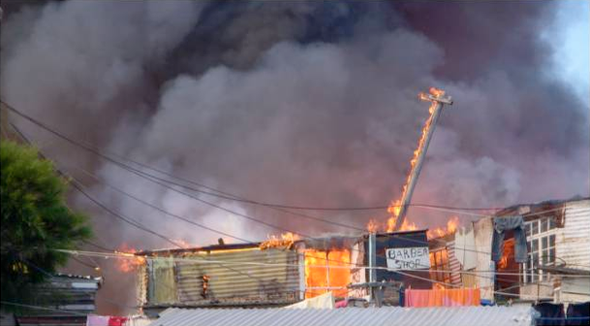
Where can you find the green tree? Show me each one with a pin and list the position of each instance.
(35, 220)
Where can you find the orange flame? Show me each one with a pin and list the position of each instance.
(129, 261)
(452, 225)
(372, 226)
(395, 207)
(436, 92)
(320, 278)
(184, 244)
(408, 226)
(285, 241)
(508, 251)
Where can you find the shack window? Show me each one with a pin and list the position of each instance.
(541, 246)
(439, 263)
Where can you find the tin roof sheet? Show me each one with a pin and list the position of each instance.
(452, 316)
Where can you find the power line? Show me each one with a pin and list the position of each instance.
(85, 264)
(257, 263)
(225, 195)
(98, 246)
(121, 217)
(149, 177)
(77, 184)
(157, 180)
(41, 308)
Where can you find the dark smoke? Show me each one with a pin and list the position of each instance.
(304, 103)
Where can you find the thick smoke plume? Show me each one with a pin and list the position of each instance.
(302, 103)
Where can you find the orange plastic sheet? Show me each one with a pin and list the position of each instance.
(442, 298)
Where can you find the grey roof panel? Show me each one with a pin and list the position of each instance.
(391, 316)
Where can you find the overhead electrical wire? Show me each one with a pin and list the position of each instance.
(284, 208)
(160, 181)
(225, 195)
(41, 308)
(217, 231)
(157, 180)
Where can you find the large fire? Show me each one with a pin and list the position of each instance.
(287, 240)
(395, 207)
(129, 261)
(320, 274)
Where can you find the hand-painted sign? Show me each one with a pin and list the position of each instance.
(408, 258)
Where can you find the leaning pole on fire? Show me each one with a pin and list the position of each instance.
(437, 99)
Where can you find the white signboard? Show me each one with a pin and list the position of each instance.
(408, 258)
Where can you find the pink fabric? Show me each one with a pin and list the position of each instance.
(442, 298)
(96, 320)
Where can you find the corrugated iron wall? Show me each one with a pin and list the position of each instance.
(454, 264)
(230, 280)
(573, 241)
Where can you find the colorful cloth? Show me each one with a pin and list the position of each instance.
(442, 298)
(96, 320)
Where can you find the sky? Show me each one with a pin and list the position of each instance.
(572, 57)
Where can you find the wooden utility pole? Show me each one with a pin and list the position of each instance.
(437, 99)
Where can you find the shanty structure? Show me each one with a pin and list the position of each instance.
(66, 300)
(557, 266)
(281, 272)
(390, 316)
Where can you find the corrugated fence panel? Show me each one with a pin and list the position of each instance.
(573, 241)
(233, 280)
(454, 264)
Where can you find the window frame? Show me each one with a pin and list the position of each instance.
(542, 256)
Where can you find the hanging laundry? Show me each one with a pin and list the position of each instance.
(442, 298)
(96, 320)
(506, 223)
(117, 321)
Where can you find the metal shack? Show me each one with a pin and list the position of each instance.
(219, 276)
(280, 272)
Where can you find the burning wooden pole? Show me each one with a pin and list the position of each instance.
(438, 99)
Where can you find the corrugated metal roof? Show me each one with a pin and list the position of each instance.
(391, 316)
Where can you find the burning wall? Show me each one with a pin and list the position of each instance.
(324, 272)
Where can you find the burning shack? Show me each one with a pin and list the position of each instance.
(280, 271)
(546, 257)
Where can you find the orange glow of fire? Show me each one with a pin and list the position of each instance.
(438, 286)
(184, 244)
(451, 227)
(508, 251)
(128, 262)
(372, 226)
(408, 226)
(395, 207)
(320, 278)
(436, 92)
(285, 241)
